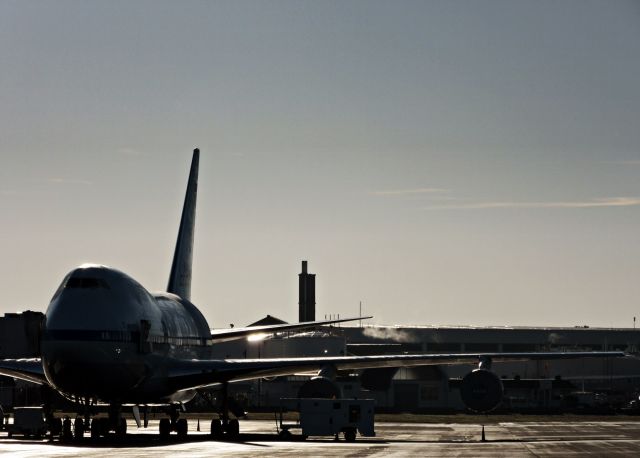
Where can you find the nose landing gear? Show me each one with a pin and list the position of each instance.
(66, 429)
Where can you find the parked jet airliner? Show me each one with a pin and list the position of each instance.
(106, 339)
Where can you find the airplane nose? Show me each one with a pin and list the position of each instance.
(91, 367)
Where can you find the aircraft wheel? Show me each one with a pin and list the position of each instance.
(66, 430)
(95, 428)
(216, 429)
(56, 427)
(350, 435)
(121, 429)
(165, 429)
(182, 427)
(78, 428)
(104, 427)
(233, 429)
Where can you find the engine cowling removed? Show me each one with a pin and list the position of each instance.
(481, 390)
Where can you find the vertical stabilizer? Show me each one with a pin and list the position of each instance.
(180, 277)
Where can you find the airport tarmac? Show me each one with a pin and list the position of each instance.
(584, 438)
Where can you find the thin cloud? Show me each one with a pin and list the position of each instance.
(8, 192)
(596, 203)
(405, 192)
(625, 162)
(68, 181)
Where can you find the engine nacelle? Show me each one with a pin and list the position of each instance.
(481, 390)
(319, 387)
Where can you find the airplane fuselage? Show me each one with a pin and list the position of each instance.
(107, 338)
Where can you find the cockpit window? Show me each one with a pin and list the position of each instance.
(86, 283)
(60, 288)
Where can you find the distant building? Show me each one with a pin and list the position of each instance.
(307, 295)
(19, 338)
(268, 321)
(20, 334)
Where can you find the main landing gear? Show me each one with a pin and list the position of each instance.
(224, 428)
(221, 429)
(173, 423)
(101, 427)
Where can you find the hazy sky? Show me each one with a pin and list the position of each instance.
(453, 162)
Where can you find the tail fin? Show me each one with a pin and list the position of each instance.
(180, 277)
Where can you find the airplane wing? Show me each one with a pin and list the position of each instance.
(199, 373)
(223, 335)
(24, 369)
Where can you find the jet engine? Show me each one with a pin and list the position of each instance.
(481, 390)
(322, 385)
(319, 387)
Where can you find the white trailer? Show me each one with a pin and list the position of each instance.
(329, 417)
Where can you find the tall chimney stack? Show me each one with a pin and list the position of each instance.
(307, 295)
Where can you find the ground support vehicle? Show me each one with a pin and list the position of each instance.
(328, 417)
(27, 422)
